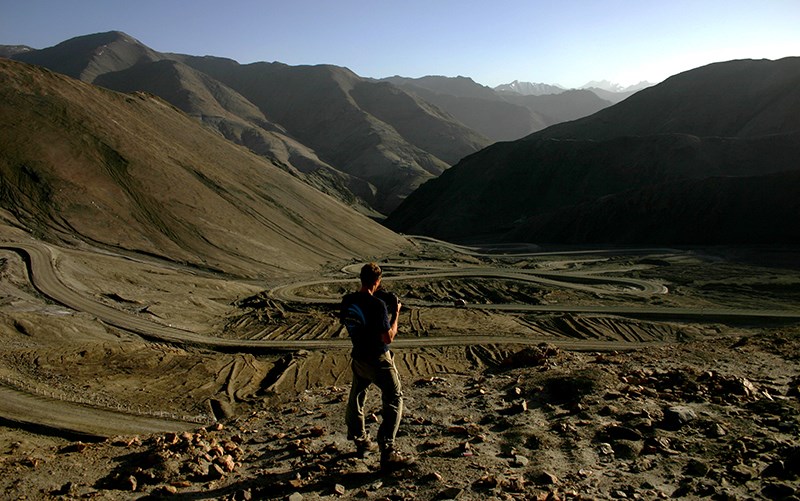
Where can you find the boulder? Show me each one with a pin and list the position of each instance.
(531, 357)
(678, 416)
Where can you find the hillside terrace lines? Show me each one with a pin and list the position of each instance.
(302, 330)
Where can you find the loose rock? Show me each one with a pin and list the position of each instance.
(678, 416)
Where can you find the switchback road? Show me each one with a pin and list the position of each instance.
(18, 406)
(39, 258)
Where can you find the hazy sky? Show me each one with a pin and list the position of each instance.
(568, 42)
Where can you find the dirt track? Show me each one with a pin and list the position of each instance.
(39, 258)
(46, 413)
(291, 336)
(592, 282)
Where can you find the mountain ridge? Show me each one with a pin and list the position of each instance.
(604, 89)
(765, 93)
(609, 86)
(238, 120)
(312, 103)
(530, 88)
(505, 190)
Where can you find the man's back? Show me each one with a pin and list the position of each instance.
(366, 319)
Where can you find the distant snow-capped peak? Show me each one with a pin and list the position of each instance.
(530, 88)
(615, 87)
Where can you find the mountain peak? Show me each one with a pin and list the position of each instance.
(97, 40)
(604, 85)
(459, 86)
(85, 57)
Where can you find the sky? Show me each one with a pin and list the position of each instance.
(565, 42)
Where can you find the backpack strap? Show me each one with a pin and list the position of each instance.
(353, 318)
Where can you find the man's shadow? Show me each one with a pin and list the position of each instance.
(323, 477)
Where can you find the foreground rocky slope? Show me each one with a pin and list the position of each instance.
(714, 419)
(651, 402)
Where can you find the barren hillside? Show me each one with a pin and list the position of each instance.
(361, 142)
(131, 171)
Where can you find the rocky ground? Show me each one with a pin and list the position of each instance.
(713, 419)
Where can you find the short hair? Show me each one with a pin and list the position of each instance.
(370, 274)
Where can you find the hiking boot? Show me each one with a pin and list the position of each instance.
(392, 460)
(364, 447)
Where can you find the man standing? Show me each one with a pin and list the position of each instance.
(372, 329)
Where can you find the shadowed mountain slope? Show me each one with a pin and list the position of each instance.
(561, 107)
(238, 120)
(527, 190)
(191, 91)
(715, 210)
(500, 116)
(369, 130)
(81, 163)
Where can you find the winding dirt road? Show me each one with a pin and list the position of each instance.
(18, 406)
(592, 282)
(39, 258)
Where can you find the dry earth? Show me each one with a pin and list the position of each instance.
(631, 375)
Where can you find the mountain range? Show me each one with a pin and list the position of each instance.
(609, 86)
(500, 116)
(312, 120)
(707, 156)
(262, 168)
(614, 92)
(604, 89)
(366, 143)
(530, 88)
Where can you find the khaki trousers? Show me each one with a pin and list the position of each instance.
(383, 373)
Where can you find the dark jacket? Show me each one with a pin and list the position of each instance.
(366, 319)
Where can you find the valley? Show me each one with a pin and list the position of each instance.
(176, 233)
(101, 345)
